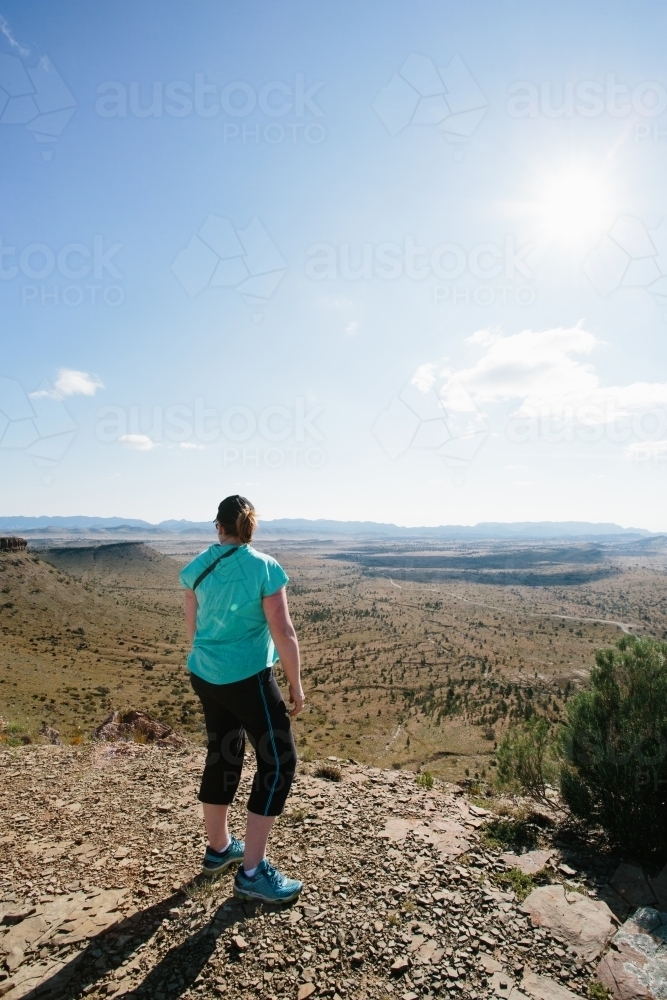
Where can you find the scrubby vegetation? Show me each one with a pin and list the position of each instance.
(610, 755)
(614, 746)
(526, 758)
(520, 883)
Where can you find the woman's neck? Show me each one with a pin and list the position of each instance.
(229, 539)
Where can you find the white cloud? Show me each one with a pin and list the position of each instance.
(352, 327)
(484, 337)
(424, 378)
(550, 368)
(191, 444)
(71, 382)
(138, 442)
(532, 366)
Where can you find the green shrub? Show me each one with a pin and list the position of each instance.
(526, 760)
(515, 833)
(520, 883)
(596, 991)
(425, 779)
(614, 746)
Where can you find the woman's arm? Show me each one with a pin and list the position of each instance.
(191, 613)
(284, 637)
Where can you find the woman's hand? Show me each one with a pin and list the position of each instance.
(297, 698)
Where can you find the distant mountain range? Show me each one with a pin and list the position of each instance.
(133, 527)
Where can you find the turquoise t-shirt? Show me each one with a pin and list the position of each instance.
(232, 640)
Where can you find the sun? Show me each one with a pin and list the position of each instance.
(574, 204)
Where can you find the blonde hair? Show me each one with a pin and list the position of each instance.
(246, 524)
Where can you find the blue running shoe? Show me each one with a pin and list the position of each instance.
(216, 862)
(267, 885)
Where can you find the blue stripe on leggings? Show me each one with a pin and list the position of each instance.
(273, 745)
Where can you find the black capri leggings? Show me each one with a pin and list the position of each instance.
(254, 706)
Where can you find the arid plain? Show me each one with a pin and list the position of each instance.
(414, 654)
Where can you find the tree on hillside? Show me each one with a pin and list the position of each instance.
(614, 746)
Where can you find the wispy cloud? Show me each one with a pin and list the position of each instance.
(9, 35)
(190, 445)
(70, 382)
(138, 442)
(549, 368)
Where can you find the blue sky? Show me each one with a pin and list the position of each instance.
(390, 261)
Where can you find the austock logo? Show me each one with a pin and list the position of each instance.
(447, 99)
(272, 103)
(630, 256)
(73, 274)
(37, 423)
(219, 256)
(433, 414)
(36, 97)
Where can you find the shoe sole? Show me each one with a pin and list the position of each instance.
(249, 894)
(211, 872)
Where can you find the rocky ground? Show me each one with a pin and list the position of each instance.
(100, 892)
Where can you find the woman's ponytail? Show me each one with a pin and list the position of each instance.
(246, 524)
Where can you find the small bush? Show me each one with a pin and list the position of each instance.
(596, 991)
(614, 746)
(514, 833)
(329, 772)
(520, 883)
(526, 759)
(425, 780)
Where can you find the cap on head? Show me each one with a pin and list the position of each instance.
(236, 515)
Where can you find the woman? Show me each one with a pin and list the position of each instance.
(239, 625)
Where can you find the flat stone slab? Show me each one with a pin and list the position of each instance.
(489, 963)
(396, 829)
(585, 925)
(543, 988)
(636, 964)
(529, 863)
(447, 836)
(67, 919)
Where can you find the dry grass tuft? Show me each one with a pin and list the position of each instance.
(330, 772)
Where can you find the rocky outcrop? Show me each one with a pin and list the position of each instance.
(584, 925)
(12, 543)
(137, 726)
(636, 964)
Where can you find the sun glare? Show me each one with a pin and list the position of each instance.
(574, 205)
